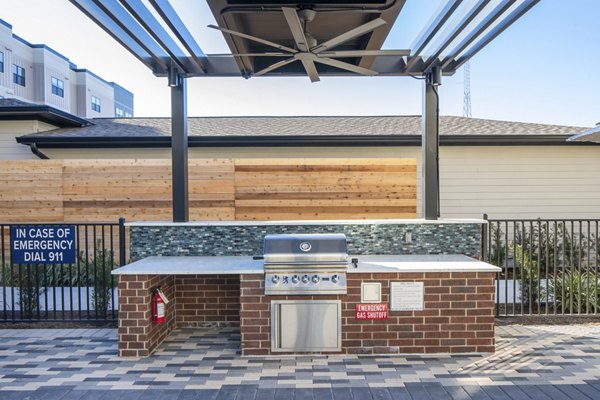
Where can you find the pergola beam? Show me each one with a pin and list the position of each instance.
(456, 31)
(497, 30)
(121, 36)
(141, 13)
(432, 28)
(475, 33)
(171, 18)
(126, 22)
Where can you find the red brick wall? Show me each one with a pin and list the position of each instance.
(207, 300)
(138, 335)
(458, 315)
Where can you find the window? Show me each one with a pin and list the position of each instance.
(58, 87)
(119, 113)
(1, 61)
(95, 104)
(18, 75)
(128, 115)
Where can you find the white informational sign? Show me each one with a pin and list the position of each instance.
(407, 296)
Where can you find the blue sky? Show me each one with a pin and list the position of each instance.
(543, 69)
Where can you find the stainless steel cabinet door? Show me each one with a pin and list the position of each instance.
(304, 326)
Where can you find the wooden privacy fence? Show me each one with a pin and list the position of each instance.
(220, 189)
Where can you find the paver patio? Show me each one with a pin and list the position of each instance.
(531, 362)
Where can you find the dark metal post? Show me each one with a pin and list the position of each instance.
(484, 238)
(179, 149)
(430, 146)
(122, 249)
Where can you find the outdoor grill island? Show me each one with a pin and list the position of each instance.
(305, 293)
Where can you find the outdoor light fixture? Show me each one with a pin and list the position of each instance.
(172, 77)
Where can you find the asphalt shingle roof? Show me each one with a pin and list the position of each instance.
(304, 126)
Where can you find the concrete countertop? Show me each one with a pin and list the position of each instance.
(181, 265)
(421, 263)
(234, 265)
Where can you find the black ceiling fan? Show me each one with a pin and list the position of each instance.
(309, 52)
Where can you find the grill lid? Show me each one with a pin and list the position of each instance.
(305, 248)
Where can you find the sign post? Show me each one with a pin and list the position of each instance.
(43, 244)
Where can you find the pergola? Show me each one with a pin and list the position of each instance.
(327, 38)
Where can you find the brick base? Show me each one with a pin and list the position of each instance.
(138, 335)
(195, 300)
(458, 315)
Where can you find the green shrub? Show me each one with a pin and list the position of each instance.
(528, 276)
(577, 291)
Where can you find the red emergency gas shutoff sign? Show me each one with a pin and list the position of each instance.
(372, 311)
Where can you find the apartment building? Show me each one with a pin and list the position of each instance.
(38, 74)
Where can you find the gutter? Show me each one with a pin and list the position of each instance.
(106, 142)
(34, 149)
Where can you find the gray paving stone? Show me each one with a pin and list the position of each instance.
(495, 393)
(93, 394)
(588, 390)
(303, 394)
(515, 393)
(457, 393)
(322, 394)
(341, 393)
(380, 393)
(284, 394)
(417, 391)
(228, 393)
(573, 393)
(437, 391)
(534, 392)
(476, 392)
(553, 392)
(399, 393)
(361, 393)
(265, 394)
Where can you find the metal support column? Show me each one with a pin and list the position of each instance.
(179, 148)
(430, 146)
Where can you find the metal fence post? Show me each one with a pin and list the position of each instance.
(122, 249)
(484, 238)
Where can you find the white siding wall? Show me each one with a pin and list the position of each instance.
(521, 182)
(9, 130)
(40, 66)
(18, 53)
(98, 88)
(503, 181)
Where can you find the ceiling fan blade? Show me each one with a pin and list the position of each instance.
(311, 70)
(346, 66)
(351, 34)
(274, 66)
(364, 53)
(250, 55)
(254, 38)
(291, 16)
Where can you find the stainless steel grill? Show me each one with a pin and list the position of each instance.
(298, 264)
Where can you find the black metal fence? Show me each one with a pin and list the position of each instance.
(81, 291)
(549, 266)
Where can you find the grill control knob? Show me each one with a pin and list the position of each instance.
(305, 279)
(295, 279)
(315, 278)
(335, 278)
(275, 279)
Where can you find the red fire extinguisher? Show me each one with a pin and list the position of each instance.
(159, 301)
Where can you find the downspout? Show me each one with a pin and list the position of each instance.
(34, 149)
